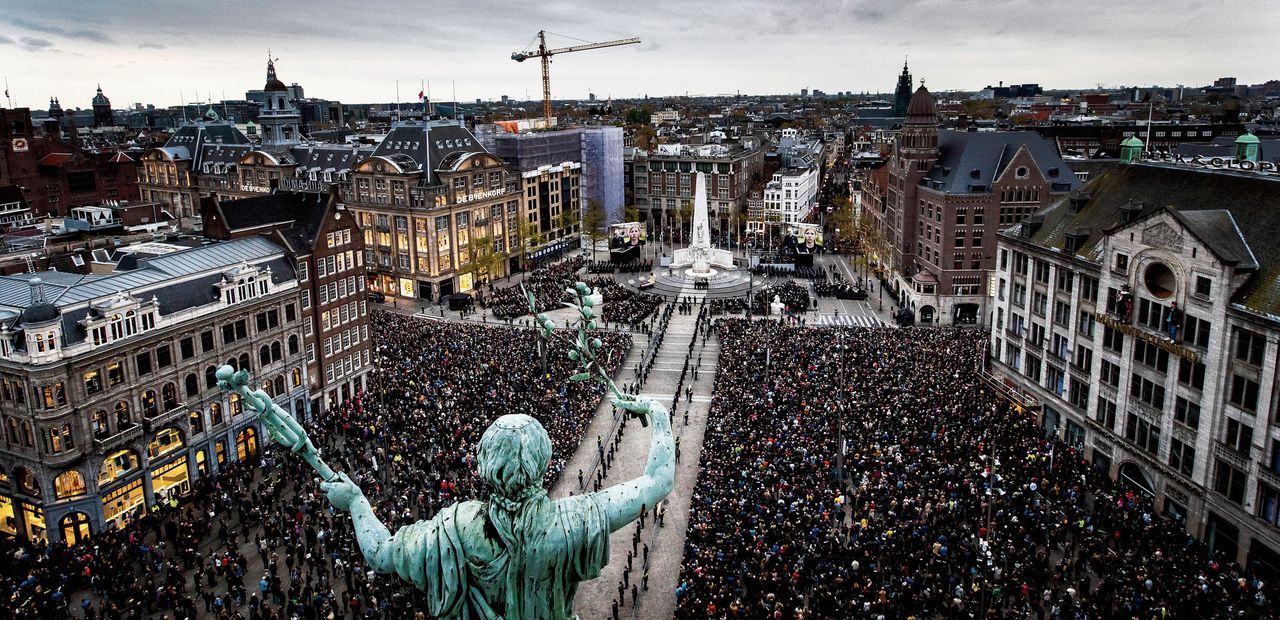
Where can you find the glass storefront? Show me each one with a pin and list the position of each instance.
(166, 440)
(68, 484)
(75, 527)
(170, 479)
(406, 287)
(118, 464)
(116, 504)
(8, 522)
(34, 516)
(246, 443)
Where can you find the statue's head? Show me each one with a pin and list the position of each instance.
(514, 453)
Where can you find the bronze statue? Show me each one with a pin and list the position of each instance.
(517, 555)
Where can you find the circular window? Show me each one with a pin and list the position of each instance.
(1021, 172)
(1159, 280)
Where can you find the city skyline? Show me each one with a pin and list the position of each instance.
(346, 54)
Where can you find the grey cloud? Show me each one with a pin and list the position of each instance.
(36, 44)
(82, 33)
(5, 40)
(148, 45)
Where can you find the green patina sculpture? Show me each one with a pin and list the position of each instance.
(517, 555)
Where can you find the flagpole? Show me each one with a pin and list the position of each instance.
(431, 107)
(6, 92)
(397, 101)
(422, 90)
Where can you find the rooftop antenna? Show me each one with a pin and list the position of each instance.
(455, 100)
(397, 101)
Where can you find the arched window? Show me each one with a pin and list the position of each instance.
(12, 427)
(236, 406)
(215, 414)
(264, 355)
(166, 440)
(150, 407)
(210, 377)
(295, 376)
(169, 393)
(130, 323)
(76, 528)
(197, 421)
(244, 362)
(28, 435)
(68, 484)
(191, 385)
(293, 345)
(276, 352)
(26, 481)
(101, 428)
(117, 464)
(233, 363)
(279, 385)
(122, 415)
(266, 387)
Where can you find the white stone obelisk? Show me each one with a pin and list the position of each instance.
(699, 255)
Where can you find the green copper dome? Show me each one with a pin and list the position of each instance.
(1132, 141)
(1247, 138)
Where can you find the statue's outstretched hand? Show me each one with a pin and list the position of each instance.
(640, 406)
(341, 492)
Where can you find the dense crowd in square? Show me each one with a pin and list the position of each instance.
(871, 473)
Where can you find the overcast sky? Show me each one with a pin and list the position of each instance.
(157, 52)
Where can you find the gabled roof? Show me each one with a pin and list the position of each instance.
(426, 145)
(195, 135)
(960, 153)
(1233, 213)
(298, 215)
(1217, 229)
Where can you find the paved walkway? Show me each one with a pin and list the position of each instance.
(666, 544)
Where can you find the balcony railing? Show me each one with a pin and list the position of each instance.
(122, 436)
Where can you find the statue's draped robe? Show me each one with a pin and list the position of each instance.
(457, 559)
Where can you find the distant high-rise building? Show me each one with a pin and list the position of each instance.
(804, 92)
(1224, 82)
(902, 96)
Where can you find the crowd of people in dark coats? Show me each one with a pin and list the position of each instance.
(870, 473)
(546, 283)
(255, 539)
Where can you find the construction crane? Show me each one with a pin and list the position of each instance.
(546, 54)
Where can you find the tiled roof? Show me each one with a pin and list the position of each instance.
(978, 157)
(1234, 213)
(426, 145)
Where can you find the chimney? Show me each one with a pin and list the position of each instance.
(1031, 225)
(71, 127)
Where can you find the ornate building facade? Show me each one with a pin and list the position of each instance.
(1138, 318)
(440, 214)
(108, 398)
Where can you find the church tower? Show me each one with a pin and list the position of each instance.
(902, 96)
(102, 115)
(918, 143)
(279, 120)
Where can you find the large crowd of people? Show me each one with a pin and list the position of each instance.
(546, 283)
(870, 473)
(632, 266)
(409, 442)
(624, 305)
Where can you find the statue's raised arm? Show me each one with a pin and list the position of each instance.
(281, 427)
(623, 502)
